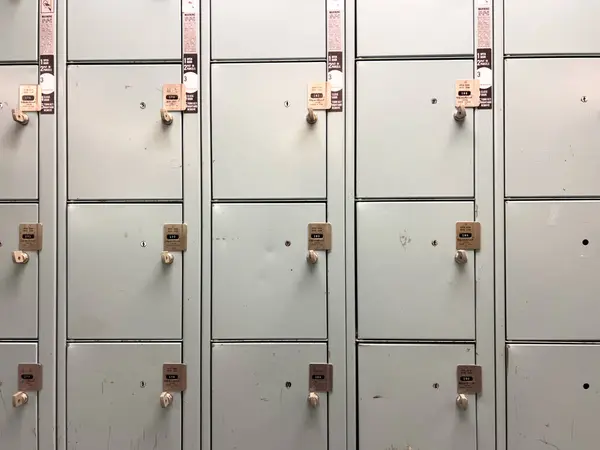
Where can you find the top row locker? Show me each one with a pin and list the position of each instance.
(18, 30)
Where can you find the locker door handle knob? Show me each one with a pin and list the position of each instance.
(311, 117)
(20, 117)
(461, 257)
(313, 399)
(166, 399)
(167, 258)
(19, 399)
(460, 114)
(312, 257)
(462, 402)
(166, 117)
(20, 257)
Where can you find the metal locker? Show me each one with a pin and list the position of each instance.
(532, 27)
(18, 278)
(552, 266)
(407, 141)
(18, 424)
(407, 397)
(117, 130)
(118, 285)
(116, 30)
(18, 32)
(551, 127)
(114, 397)
(18, 143)
(264, 286)
(262, 143)
(552, 396)
(409, 284)
(408, 27)
(268, 29)
(259, 397)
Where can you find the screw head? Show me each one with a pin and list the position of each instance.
(584, 99)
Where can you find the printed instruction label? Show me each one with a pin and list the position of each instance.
(190, 55)
(467, 93)
(468, 236)
(174, 377)
(484, 52)
(47, 57)
(320, 378)
(319, 236)
(319, 95)
(30, 98)
(174, 237)
(468, 379)
(174, 97)
(335, 54)
(30, 377)
(30, 237)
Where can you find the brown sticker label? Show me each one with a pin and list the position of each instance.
(319, 95)
(320, 377)
(467, 93)
(468, 236)
(31, 237)
(174, 98)
(468, 379)
(30, 377)
(174, 237)
(30, 98)
(319, 236)
(174, 377)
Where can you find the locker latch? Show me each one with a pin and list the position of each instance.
(19, 399)
(311, 117)
(461, 257)
(20, 117)
(312, 257)
(166, 117)
(20, 257)
(166, 399)
(462, 402)
(313, 399)
(460, 114)
(167, 258)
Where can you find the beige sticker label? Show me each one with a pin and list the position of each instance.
(174, 377)
(30, 99)
(174, 97)
(467, 93)
(468, 236)
(468, 379)
(174, 237)
(30, 377)
(319, 95)
(319, 236)
(30, 237)
(320, 378)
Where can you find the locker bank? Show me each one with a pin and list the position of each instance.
(299, 225)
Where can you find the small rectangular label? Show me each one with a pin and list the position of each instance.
(174, 237)
(484, 53)
(174, 98)
(467, 93)
(30, 237)
(468, 236)
(320, 378)
(30, 377)
(190, 55)
(47, 80)
(319, 96)
(335, 54)
(29, 98)
(174, 377)
(468, 379)
(319, 236)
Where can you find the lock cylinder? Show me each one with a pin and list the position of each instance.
(166, 117)
(166, 399)
(20, 117)
(20, 257)
(311, 117)
(19, 399)
(460, 114)
(313, 399)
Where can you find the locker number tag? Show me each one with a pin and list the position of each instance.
(174, 97)
(30, 237)
(468, 379)
(174, 377)
(319, 95)
(320, 377)
(319, 236)
(468, 235)
(30, 377)
(174, 237)
(30, 99)
(467, 93)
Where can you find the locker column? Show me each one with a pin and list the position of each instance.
(129, 186)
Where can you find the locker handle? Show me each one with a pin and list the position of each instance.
(460, 114)
(166, 399)
(313, 399)
(167, 258)
(19, 399)
(311, 117)
(20, 257)
(462, 402)
(461, 257)
(312, 257)
(166, 117)
(20, 117)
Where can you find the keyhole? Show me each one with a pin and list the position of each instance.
(585, 242)
(288, 243)
(286, 104)
(434, 101)
(436, 385)
(142, 384)
(143, 244)
(142, 105)
(288, 384)
(434, 243)
(584, 99)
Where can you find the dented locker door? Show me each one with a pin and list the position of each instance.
(262, 144)
(259, 397)
(407, 141)
(552, 397)
(18, 143)
(115, 128)
(18, 32)
(407, 274)
(408, 27)
(264, 29)
(116, 30)
(551, 26)
(114, 397)
(18, 425)
(551, 139)
(263, 285)
(18, 279)
(552, 267)
(407, 397)
(118, 285)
